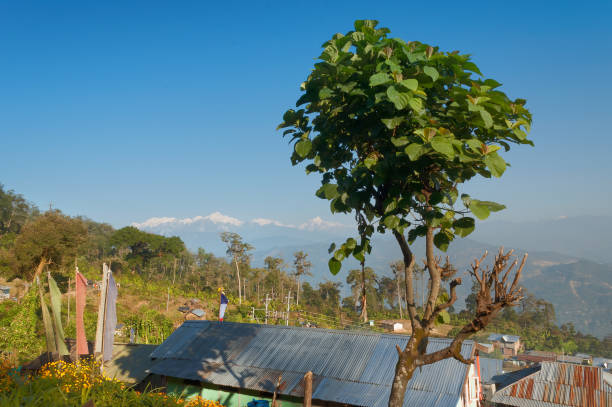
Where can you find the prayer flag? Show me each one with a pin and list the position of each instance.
(110, 318)
(81, 290)
(56, 310)
(50, 335)
(101, 308)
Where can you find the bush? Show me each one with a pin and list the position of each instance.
(67, 384)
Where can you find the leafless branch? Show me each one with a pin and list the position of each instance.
(495, 294)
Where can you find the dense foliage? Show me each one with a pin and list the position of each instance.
(394, 128)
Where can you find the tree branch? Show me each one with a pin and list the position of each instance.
(434, 275)
(408, 279)
(488, 303)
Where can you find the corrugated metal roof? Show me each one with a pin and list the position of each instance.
(129, 363)
(507, 379)
(570, 359)
(348, 366)
(179, 338)
(490, 367)
(504, 338)
(441, 377)
(558, 384)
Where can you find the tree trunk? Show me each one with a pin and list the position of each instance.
(403, 373)
(399, 298)
(239, 286)
(297, 298)
(364, 300)
(41, 265)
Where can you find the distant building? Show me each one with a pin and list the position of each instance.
(234, 363)
(537, 356)
(577, 359)
(489, 368)
(508, 345)
(556, 384)
(5, 292)
(485, 347)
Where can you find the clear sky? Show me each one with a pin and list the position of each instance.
(123, 111)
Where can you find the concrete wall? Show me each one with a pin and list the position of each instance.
(225, 397)
(470, 388)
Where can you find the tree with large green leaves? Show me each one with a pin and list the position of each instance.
(395, 129)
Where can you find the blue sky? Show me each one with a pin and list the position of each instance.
(123, 112)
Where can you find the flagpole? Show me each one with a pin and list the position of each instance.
(106, 278)
(76, 279)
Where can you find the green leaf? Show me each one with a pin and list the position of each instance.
(486, 117)
(370, 161)
(334, 266)
(443, 145)
(328, 191)
(325, 93)
(399, 99)
(332, 247)
(393, 122)
(416, 104)
(464, 226)
(495, 164)
(359, 253)
(411, 84)
(339, 255)
(351, 243)
(442, 240)
(480, 211)
(399, 141)
(431, 72)
(303, 147)
(379, 79)
(392, 221)
(414, 151)
(475, 145)
(493, 206)
(416, 232)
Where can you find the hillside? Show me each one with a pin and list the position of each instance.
(582, 294)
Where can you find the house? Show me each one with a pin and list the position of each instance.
(489, 368)
(234, 363)
(508, 345)
(579, 360)
(557, 384)
(536, 356)
(603, 362)
(393, 325)
(485, 347)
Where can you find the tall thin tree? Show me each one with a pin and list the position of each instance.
(237, 250)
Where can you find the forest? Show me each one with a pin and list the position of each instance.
(157, 273)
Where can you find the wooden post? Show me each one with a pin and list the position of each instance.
(308, 389)
(278, 385)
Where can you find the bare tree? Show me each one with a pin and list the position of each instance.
(498, 289)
